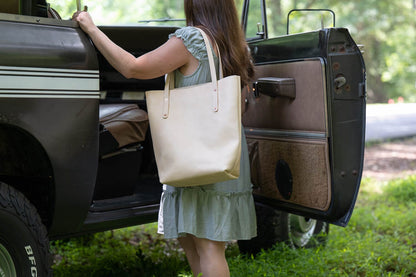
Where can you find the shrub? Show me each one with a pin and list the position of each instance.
(402, 190)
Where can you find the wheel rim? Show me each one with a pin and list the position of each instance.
(301, 229)
(6, 263)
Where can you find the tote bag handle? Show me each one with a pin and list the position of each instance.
(169, 83)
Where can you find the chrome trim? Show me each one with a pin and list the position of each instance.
(45, 70)
(325, 96)
(283, 133)
(37, 20)
(133, 95)
(45, 95)
(103, 95)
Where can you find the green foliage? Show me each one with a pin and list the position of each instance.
(379, 241)
(126, 252)
(402, 191)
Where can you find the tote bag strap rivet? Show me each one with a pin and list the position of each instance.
(165, 109)
(215, 101)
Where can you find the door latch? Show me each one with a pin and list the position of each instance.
(340, 81)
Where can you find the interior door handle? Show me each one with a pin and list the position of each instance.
(275, 87)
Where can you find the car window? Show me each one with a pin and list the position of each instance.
(130, 12)
(299, 20)
(276, 12)
(276, 17)
(309, 20)
(125, 12)
(254, 19)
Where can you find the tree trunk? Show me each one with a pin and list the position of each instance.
(275, 20)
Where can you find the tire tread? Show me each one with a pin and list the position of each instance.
(16, 203)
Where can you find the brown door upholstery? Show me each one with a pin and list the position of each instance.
(304, 113)
(306, 157)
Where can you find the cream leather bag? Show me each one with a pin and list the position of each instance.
(196, 130)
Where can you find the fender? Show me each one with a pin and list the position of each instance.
(49, 87)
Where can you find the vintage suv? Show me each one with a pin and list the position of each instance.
(76, 154)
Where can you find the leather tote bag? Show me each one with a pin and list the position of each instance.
(196, 130)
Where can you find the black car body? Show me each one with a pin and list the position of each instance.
(304, 119)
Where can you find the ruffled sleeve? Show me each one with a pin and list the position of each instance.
(193, 41)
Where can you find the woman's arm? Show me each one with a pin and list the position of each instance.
(168, 57)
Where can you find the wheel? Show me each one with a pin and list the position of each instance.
(306, 232)
(24, 245)
(275, 226)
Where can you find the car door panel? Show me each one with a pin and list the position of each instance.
(304, 113)
(307, 152)
(294, 131)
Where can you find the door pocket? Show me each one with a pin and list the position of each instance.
(295, 171)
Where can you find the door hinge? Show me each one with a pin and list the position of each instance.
(362, 90)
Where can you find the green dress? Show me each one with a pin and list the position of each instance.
(222, 211)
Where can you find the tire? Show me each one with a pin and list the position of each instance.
(306, 232)
(274, 226)
(24, 245)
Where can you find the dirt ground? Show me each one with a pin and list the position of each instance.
(390, 160)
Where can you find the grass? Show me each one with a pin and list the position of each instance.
(380, 240)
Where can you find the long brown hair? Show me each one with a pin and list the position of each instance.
(221, 19)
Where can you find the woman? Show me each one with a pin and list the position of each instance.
(202, 218)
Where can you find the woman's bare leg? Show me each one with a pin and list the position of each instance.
(191, 253)
(212, 257)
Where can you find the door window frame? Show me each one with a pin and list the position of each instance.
(262, 33)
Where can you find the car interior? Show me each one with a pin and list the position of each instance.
(125, 140)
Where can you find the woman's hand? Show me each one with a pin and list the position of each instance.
(166, 58)
(85, 21)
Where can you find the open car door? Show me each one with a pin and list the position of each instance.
(304, 118)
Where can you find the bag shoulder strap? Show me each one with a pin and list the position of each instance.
(171, 78)
(214, 80)
(209, 52)
(169, 82)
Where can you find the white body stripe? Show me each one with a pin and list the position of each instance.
(45, 69)
(29, 82)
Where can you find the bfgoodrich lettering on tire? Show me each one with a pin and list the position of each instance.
(275, 226)
(24, 246)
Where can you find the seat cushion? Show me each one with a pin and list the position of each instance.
(127, 123)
